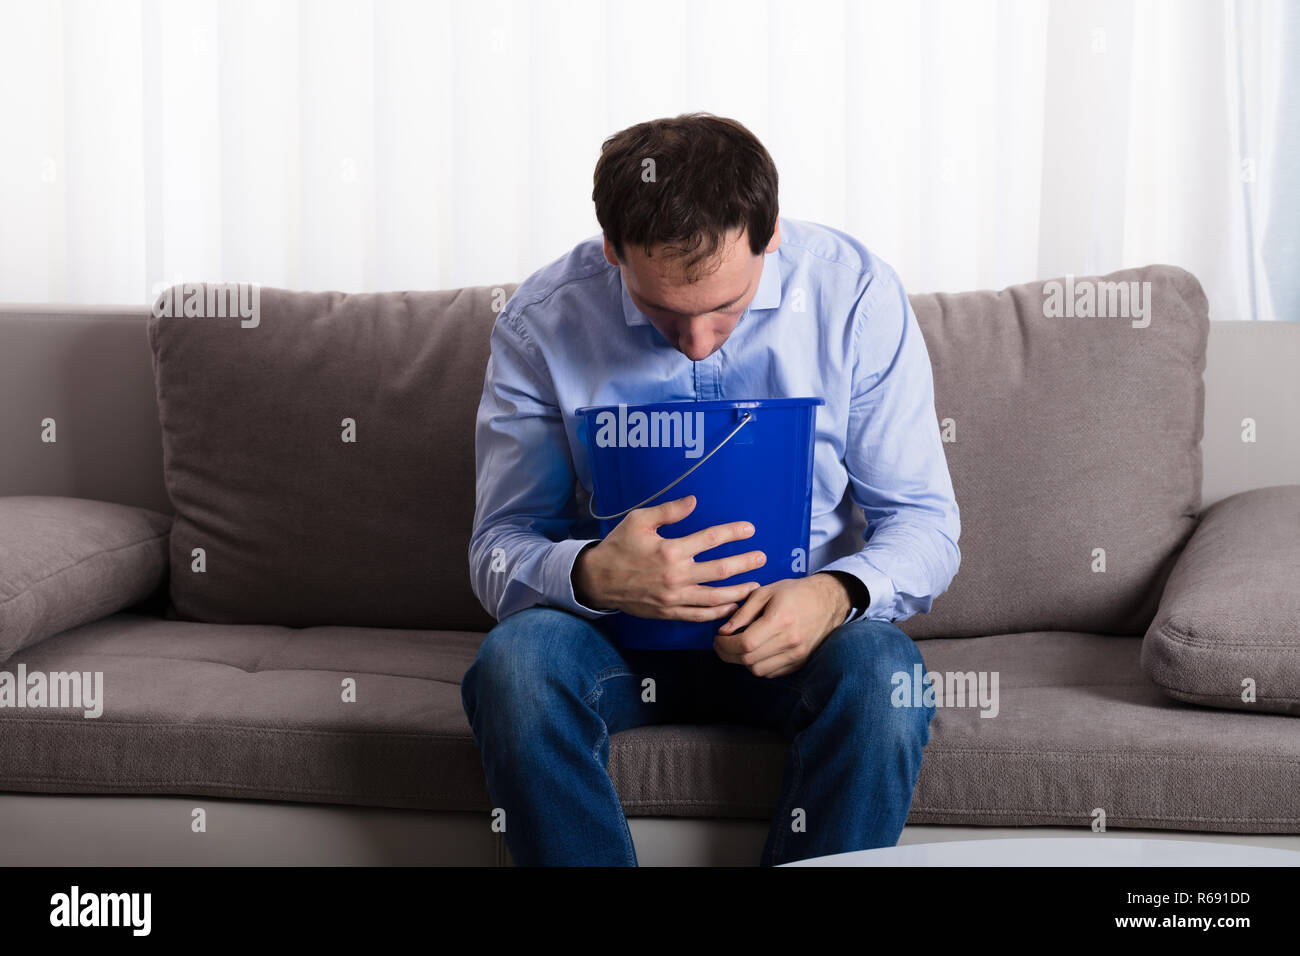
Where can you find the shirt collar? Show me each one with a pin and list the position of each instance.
(768, 295)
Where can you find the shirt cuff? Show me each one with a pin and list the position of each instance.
(855, 588)
(557, 573)
(878, 584)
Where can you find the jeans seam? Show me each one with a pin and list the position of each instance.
(789, 681)
(797, 776)
(795, 780)
(617, 670)
(591, 700)
(604, 735)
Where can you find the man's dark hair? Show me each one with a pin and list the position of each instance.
(685, 182)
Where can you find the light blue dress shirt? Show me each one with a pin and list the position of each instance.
(829, 319)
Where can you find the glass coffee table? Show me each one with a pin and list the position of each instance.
(1062, 851)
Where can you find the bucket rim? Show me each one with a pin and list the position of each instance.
(709, 405)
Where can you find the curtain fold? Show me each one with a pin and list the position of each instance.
(367, 145)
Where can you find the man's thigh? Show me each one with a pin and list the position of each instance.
(541, 652)
(699, 687)
(864, 654)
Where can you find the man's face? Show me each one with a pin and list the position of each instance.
(697, 317)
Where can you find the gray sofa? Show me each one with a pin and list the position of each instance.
(282, 618)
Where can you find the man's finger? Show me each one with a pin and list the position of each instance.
(778, 666)
(748, 611)
(704, 596)
(700, 614)
(728, 644)
(708, 538)
(764, 639)
(656, 516)
(719, 569)
(756, 642)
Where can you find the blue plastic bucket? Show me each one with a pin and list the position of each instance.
(742, 460)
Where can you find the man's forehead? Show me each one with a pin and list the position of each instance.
(668, 255)
(710, 294)
(666, 266)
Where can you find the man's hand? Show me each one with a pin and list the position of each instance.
(786, 621)
(636, 571)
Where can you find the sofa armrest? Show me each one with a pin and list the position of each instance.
(1227, 632)
(68, 561)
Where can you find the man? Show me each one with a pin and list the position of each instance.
(697, 289)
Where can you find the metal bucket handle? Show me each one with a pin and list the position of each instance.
(592, 501)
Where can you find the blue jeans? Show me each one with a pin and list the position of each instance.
(548, 689)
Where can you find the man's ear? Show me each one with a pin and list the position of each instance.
(610, 257)
(775, 242)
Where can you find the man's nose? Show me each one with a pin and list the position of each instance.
(696, 339)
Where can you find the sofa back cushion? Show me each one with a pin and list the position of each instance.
(1073, 440)
(322, 458)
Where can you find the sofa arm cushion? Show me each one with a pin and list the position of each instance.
(67, 561)
(1227, 632)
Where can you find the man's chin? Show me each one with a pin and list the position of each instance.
(702, 357)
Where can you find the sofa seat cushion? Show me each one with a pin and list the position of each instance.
(1081, 727)
(1078, 727)
(252, 711)
(257, 712)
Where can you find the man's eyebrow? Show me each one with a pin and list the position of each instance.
(706, 311)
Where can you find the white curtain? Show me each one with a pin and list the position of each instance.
(406, 144)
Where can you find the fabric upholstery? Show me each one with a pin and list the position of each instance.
(1070, 436)
(258, 712)
(105, 396)
(66, 561)
(1227, 633)
(298, 526)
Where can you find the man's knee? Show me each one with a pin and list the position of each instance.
(876, 665)
(527, 656)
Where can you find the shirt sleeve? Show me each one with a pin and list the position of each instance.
(898, 472)
(520, 554)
